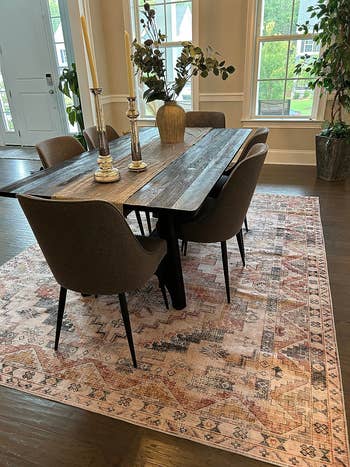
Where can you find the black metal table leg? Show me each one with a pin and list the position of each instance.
(170, 268)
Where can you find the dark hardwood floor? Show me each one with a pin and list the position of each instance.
(35, 431)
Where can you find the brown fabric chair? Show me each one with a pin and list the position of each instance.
(204, 119)
(90, 248)
(55, 150)
(259, 136)
(221, 218)
(91, 136)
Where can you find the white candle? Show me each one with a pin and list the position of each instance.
(89, 52)
(129, 65)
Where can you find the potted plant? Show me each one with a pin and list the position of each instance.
(150, 63)
(69, 86)
(331, 72)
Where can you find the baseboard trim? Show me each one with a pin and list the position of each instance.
(291, 157)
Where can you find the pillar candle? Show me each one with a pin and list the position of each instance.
(89, 52)
(129, 65)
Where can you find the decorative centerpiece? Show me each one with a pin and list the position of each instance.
(149, 60)
(106, 172)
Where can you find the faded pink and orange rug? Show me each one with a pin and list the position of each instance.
(259, 377)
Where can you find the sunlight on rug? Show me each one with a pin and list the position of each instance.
(259, 377)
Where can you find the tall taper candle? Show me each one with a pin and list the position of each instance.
(129, 64)
(89, 52)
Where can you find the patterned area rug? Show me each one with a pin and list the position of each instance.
(259, 377)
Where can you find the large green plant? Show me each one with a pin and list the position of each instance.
(192, 61)
(331, 70)
(69, 86)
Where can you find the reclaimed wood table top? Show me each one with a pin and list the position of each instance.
(182, 185)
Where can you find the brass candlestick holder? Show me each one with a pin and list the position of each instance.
(137, 164)
(106, 172)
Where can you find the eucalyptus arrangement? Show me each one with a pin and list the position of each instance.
(331, 72)
(69, 86)
(149, 60)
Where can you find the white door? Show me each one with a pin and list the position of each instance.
(29, 70)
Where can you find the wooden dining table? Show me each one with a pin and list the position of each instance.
(181, 176)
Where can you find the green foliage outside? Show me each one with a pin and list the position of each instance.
(279, 19)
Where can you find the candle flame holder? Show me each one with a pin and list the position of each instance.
(106, 172)
(137, 164)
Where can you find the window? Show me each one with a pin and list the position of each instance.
(59, 39)
(174, 19)
(278, 92)
(5, 112)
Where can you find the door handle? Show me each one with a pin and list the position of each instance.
(51, 91)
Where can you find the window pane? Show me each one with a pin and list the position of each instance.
(179, 21)
(277, 17)
(185, 98)
(297, 50)
(160, 21)
(5, 111)
(300, 98)
(54, 8)
(271, 98)
(61, 55)
(273, 59)
(301, 15)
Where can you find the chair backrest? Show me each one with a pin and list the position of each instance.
(91, 136)
(55, 150)
(88, 245)
(205, 119)
(227, 213)
(259, 136)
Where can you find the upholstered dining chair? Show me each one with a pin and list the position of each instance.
(259, 136)
(221, 218)
(91, 136)
(55, 150)
(199, 118)
(90, 249)
(203, 119)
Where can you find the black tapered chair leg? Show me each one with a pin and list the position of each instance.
(225, 266)
(240, 242)
(126, 319)
(184, 247)
(139, 221)
(246, 224)
(149, 225)
(61, 306)
(165, 298)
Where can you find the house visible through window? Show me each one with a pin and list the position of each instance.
(174, 18)
(279, 46)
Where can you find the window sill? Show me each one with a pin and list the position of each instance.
(281, 123)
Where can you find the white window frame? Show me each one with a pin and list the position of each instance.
(131, 16)
(251, 74)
